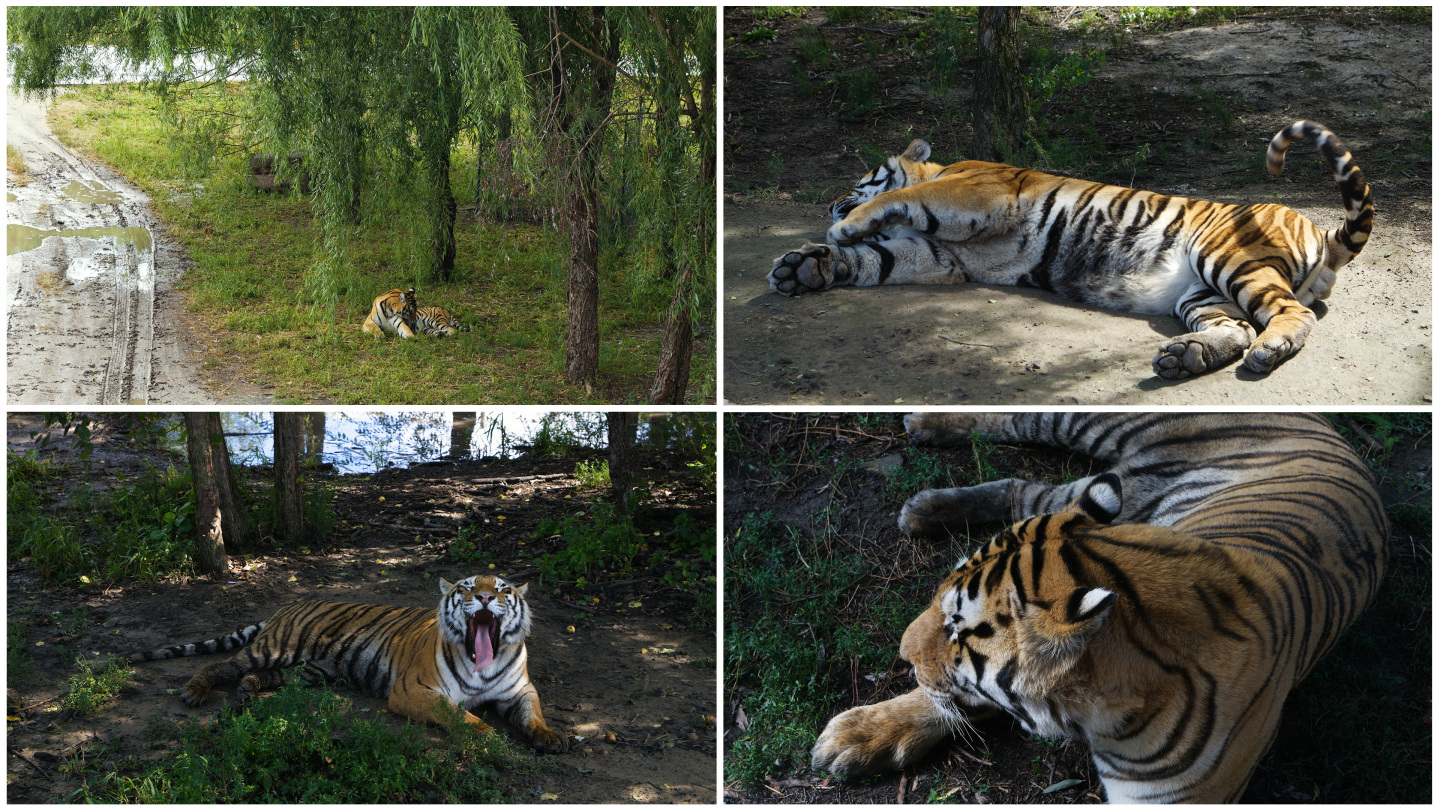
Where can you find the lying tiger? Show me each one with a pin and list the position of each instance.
(469, 652)
(1160, 612)
(398, 313)
(1227, 271)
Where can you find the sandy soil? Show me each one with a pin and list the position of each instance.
(636, 664)
(94, 320)
(975, 345)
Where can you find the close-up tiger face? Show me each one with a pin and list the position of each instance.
(486, 616)
(1242, 278)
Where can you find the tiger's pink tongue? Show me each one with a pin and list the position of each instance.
(484, 651)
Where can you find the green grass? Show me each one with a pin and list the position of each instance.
(595, 473)
(96, 686)
(302, 745)
(252, 251)
(139, 530)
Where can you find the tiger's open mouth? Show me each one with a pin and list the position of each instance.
(482, 636)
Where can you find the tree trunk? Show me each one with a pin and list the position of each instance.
(673, 374)
(289, 499)
(621, 430)
(219, 518)
(585, 100)
(442, 229)
(1002, 106)
(582, 333)
(314, 451)
(462, 429)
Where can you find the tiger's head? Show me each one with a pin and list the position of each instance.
(484, 614)
(409, 304)
(1008, 626)
(905, 169)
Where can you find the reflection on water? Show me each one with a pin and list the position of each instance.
(363, 442)
(97, 194)
(20, 238)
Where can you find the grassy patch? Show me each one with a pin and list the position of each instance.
(139, 530)
(15, 165)
(96, 686)
(252, 251)
(301, 745)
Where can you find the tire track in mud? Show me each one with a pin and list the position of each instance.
(89, 278)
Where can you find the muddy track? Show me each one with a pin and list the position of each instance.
(93, 318)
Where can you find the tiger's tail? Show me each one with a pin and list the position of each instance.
(1349, 239)
(234, 641)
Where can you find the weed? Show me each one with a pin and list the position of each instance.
(814, 50)
(97, 685)
(924, 469)
(759, 33)
(594, 473)
(860, 93)
(603, 539)
(777, 12)
(300, 745)
(15, 165)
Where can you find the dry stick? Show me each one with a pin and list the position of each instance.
(32, 763)
(963, 343)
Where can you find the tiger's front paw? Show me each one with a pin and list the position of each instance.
(1265, 355)
(548, 742)
(807, 269)
(885, 737)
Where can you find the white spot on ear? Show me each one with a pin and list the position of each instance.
(1097, 599)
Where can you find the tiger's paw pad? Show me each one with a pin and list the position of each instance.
(1181, 359)
(806, 269)
(939, 429)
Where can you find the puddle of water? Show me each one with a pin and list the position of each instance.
(20, 238)
(93, 195)
(363, 442)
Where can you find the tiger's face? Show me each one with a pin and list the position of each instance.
(1008, 626)
(905, 169)
(484, 614)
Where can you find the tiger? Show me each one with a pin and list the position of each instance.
(393, 312)
(437, 321)
(469, 652)
(1225, 270)
(1161, 611)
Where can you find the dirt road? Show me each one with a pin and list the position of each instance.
(93, 315)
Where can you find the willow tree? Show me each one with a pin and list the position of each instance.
(375, 97)
(674, 51)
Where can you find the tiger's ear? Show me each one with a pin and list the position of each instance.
(445, 585)
(520, 589)
(918, 151)
(1101, 499)
(1052, 636)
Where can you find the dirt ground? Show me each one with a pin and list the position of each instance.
(637, 664)
(94, 320)
(1366, 77)
(785, 465)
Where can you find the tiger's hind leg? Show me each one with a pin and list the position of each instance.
(1220, 333)
(936, 510)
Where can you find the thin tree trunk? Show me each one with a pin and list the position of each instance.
(582, 336)
(673, 374)
(621, 430)
(289, 500)
(1002, 106)
(462, 429)
(314, 439)
(219, 519)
